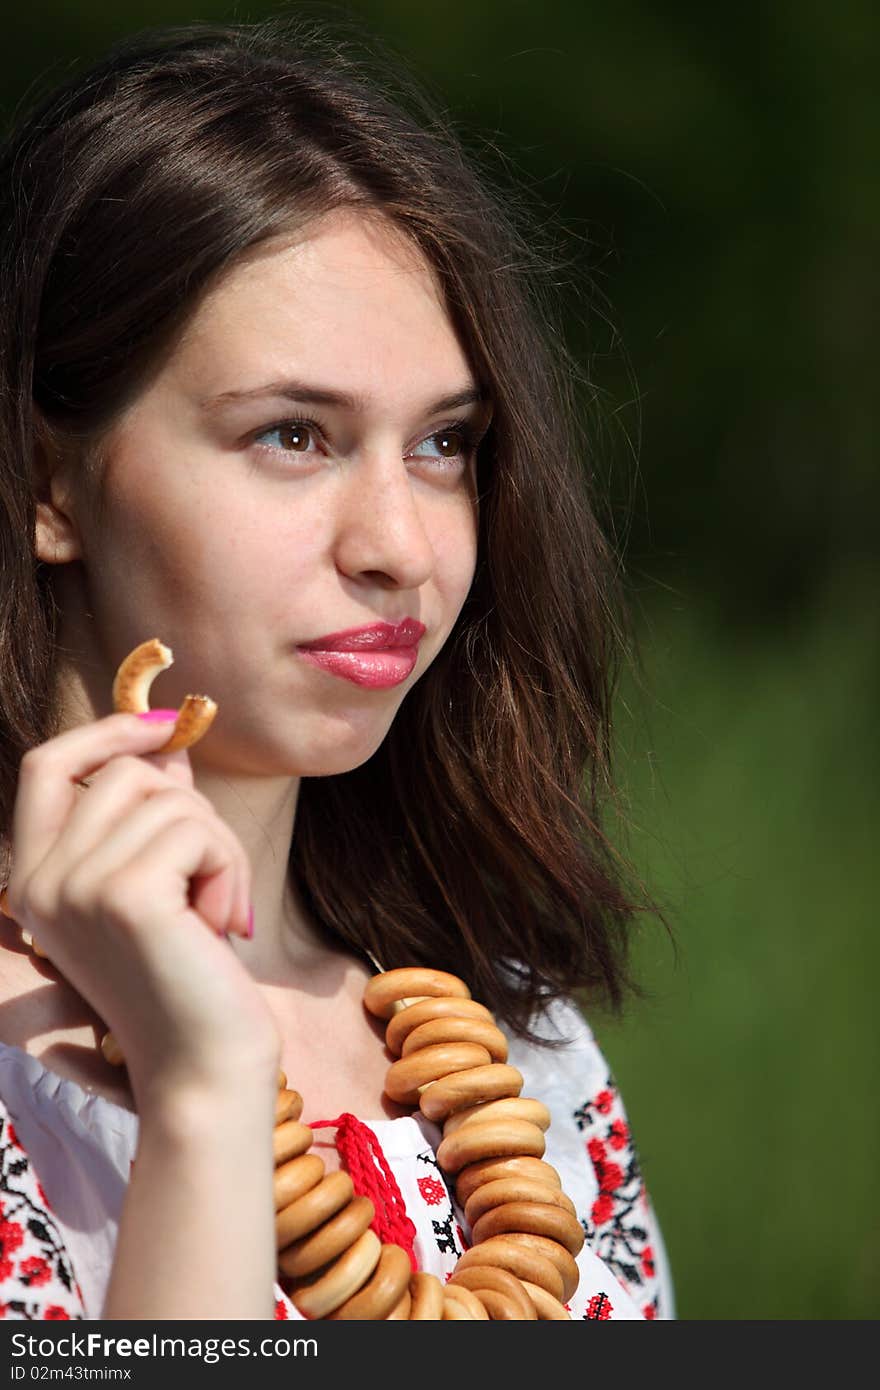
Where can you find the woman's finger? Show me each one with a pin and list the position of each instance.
(114, 792)
(133, 936)
(102, 836)
(47, 790)
(144, 894)
(177, 765)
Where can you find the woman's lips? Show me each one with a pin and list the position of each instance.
(377, 669)
(382, 636)
(377, 656)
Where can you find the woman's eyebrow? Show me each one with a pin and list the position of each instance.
(318, 395)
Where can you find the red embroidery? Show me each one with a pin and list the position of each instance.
(618, 1229)
(619, 1137)
(602, 1210)
(599, 1308)
(35, 1269)
(432, 1190)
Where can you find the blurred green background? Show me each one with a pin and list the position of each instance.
(714, 170)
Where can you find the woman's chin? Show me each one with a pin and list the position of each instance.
(332, 764)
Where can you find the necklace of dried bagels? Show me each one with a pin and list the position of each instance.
(451, 1062)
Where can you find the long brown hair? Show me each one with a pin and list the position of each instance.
(472, 840)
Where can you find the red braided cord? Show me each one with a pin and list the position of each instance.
(366, 1165)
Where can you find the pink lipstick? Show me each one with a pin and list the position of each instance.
(378, 656)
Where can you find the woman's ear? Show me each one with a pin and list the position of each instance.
(56, 534)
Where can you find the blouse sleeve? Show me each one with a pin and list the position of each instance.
(36, 1275)
(591, 1143)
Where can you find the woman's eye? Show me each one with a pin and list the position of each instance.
(453, 444)
(293, 436)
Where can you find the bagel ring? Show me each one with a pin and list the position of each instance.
(501, 1190)
(401, 1310)
(527, 1264)
(330, 1288)
(490, 1139)
(500, 1306)
(443, 1030)
(382, 1292)
(330, 1241)
(473, 1086)
(462, 1304)
(565, 1262)
(384, 992)
(510, 1107)
(427, 1298)
(407, 1074)
(532, 1218)
(296, 1177)
(549, 1309)
(290, 1139)
(518, 1166)
(438, 1006)
(311, 1209)
(479, 1277)
(288, 1105)
(131, 690)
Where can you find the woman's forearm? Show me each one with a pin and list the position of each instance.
(197, 1233)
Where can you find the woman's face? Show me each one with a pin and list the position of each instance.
(242, 517)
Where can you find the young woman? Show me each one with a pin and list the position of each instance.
(280, 387)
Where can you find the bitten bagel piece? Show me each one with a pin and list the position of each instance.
(131, 691)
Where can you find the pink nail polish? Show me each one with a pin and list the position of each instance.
(158, 716)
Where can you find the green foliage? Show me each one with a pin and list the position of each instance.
(751, 1074)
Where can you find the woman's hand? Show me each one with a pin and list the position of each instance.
(129, 887)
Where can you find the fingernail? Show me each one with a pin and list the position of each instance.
(158, 716)
(250, 929)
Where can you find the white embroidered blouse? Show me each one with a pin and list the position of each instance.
(66, 1156)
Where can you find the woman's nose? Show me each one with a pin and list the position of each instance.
(383, 525)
